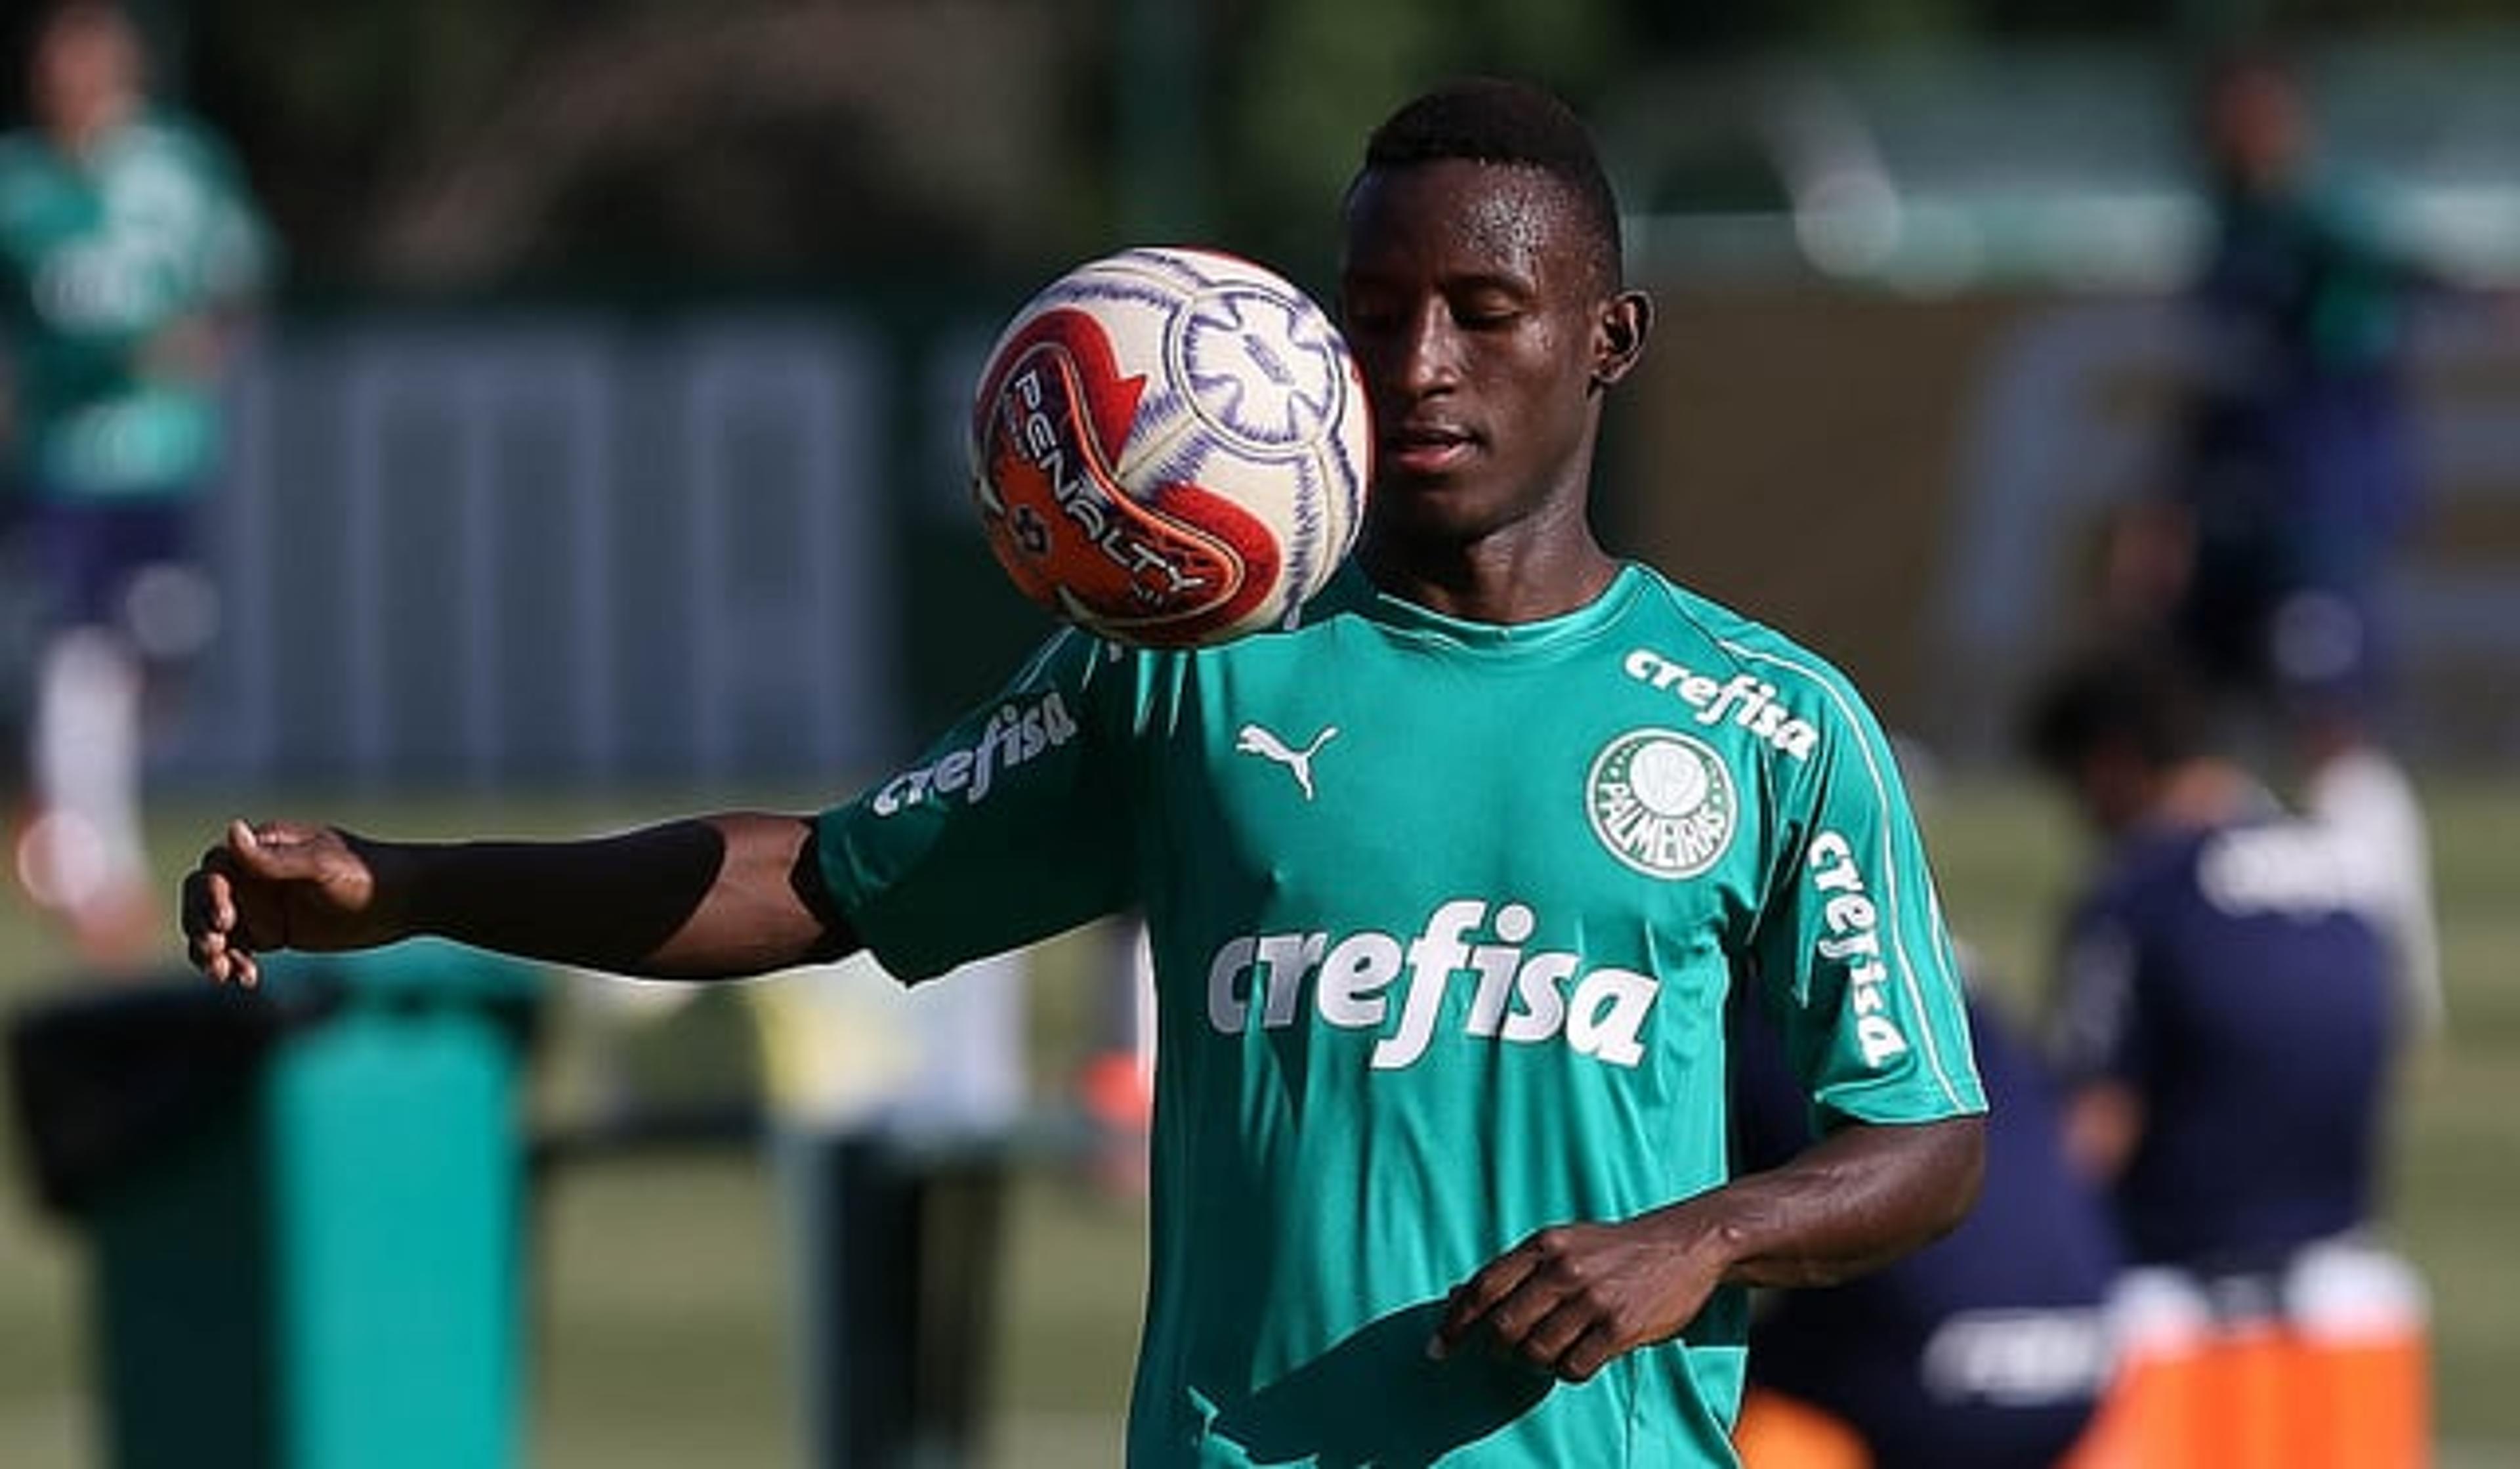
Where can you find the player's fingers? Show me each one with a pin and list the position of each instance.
(277, 850)
(1541, 1317)
(223, 871)
(208, 903)
(257, 850)
(1473, 1299)
(1591, 1353)
(1546, 1335)
(226, 960)
(213, 932)
(244, 880)
(211, 957)
(196, 913)
(215, 954)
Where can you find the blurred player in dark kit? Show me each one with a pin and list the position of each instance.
(2224, 1022)
(2225, 1014)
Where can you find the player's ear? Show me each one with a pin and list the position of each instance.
(1627, 318)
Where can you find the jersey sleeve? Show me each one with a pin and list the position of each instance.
(1851, 952)
(1008, 829)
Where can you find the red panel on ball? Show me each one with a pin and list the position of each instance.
(1056, 420)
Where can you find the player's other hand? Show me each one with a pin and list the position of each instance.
(279, 885)
(1571, 1298)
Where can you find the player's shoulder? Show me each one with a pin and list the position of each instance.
(26, 164)
(1720, 642)
(170, 129)
(167, 139)
(1735, 638)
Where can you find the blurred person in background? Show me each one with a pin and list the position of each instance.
(1988, 1348)
(2224, 1023)
(128, 250)
(2293, 483)
(2224, 1017)
(1439, 1164)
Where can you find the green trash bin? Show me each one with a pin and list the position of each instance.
(307, 1207)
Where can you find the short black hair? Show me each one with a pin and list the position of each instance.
(2137, 696)
(1489, 119)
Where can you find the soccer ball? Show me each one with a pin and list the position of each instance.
(1170, 447)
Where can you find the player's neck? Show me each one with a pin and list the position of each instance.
(1499, 579)
(79, 132)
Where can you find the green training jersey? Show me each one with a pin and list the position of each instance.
(99, 256)
(1443, 916)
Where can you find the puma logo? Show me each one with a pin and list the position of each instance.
(1254, 740)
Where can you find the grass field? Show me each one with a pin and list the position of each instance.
(658, 1302)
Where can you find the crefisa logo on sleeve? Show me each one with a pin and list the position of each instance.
(1662, 803)
(1016, 734)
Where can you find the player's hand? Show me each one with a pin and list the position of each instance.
(1571, 1298)
(279, 885)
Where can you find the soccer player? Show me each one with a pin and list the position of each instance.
(1439, 1156)
(127, 247)
(2225, 1016)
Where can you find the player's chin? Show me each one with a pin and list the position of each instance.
(1449, 507)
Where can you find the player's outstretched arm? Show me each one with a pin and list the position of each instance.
(708, 898)
(1571, 1298)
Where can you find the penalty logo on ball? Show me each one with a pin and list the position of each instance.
(1065, 526)
(1662, 803)
(1170, 448)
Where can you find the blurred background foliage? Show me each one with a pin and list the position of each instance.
(467, 144)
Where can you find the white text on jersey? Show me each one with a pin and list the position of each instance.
(1749, 702)
(1855, 935)
(1522, 997)
(1015, 734)
(2304, 872)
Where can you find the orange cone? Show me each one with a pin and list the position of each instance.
(2362, 1395)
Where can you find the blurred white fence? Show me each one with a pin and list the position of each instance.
(503, 548)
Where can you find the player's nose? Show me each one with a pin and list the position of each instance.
(1426, 353)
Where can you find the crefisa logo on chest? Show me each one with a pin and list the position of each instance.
(1662, 803)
